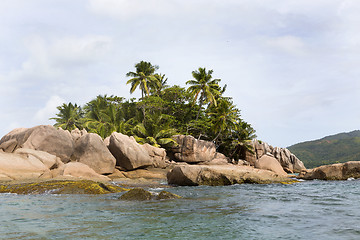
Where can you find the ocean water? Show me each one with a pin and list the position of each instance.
(306, 210)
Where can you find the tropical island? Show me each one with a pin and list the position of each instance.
(185, 136)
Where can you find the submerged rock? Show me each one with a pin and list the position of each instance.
(139, 194)
(61, 187)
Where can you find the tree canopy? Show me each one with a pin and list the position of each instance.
(200, 110)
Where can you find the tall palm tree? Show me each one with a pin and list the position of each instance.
(143, 77)
(69, 116)
(160, 84)
(224, 116)
(205, 86)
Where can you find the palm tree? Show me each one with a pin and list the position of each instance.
(155, 131)
(160, 84)
(205, 86)
(143, 77)
(224, 116)
(69, 116)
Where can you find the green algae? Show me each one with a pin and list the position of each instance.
(61, 187)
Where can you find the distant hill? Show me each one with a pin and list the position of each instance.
(337, 148)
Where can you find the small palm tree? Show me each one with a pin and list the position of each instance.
(155, 131)
(143, 77)
(69, 116)
(224, 116)
(204, 86)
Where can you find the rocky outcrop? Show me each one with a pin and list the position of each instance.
(61, 187)
(139, 194)
(288, 160)
(82, 171)
(193, 175)
(338, 171)
(130, 155)
(21, 166)
(44, 138)
(268, 162)
(92, 151)
(191, 150)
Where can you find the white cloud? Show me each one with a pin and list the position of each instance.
(288, 44)
(49, 110)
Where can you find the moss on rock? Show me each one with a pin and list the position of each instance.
(61, 187)
(167, 195)
(136, 194)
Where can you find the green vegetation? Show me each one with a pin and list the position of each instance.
(337, 148)
(201, 110)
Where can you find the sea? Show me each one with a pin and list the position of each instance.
(305, 210)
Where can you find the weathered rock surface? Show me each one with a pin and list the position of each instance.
(92, 151)
(268, 162)
(44, 138)
(61, 187)
(193, 175)
(192, 150)
(49, 160)
(17, 167)
(139, 194)
(131, 155)
(288, 160)
(80, 170)
(338, 171)
(76, 133)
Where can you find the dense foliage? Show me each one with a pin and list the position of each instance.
(337, 148)
(201, 110)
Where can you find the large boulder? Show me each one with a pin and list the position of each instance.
(191, 150)
(128, 153)
(338, 171)
(288, 160)
(44, 138)
(157, 155)
(49, 160)
(92, 151)
(82, 171)
(18, 166)
(270, 163)
(193, 175)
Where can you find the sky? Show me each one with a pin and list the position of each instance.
(292, 67)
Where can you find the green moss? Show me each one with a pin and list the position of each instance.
(61, 187)
(136, 194)
(167, 195)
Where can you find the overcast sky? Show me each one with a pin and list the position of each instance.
(291, 66)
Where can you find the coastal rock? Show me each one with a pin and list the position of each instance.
(17, 167)
(82, 171)
(193, 175)
(191, 150)
(288, 160)
(92, 151)
(44, 138)
(61, 187)
(338, 171)
(128, 153)
(76, 133)
(139, 194)
(49, 160)
(157, 155)
(270, 163)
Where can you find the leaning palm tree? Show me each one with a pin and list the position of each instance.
(143, 77)
(204, 87)
(69, 116)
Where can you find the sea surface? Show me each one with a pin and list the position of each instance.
(305, 210)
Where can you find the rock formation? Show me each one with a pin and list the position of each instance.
(193, 175)
(288, 161)
(44, 138)
(268, 162)
(191, 150)
(131, 155)
(92, 151)
(338, 171)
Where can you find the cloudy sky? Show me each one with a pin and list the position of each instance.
(291, 66)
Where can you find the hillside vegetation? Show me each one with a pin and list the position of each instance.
(337, 148)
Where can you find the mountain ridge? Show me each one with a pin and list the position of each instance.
(337, 148)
